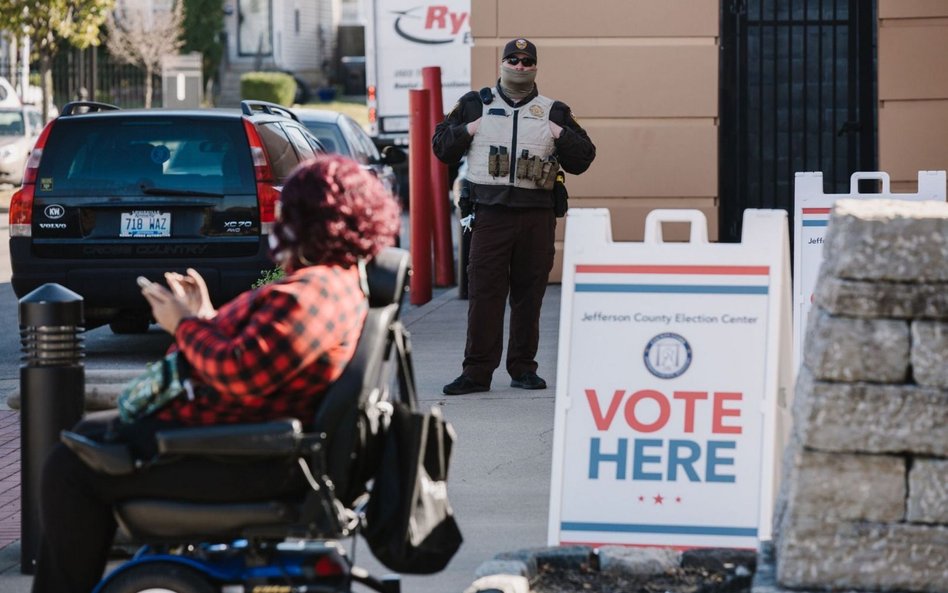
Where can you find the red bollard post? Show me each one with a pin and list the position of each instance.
(441, 211)
(419, 196)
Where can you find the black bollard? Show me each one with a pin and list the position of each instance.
(52, 390)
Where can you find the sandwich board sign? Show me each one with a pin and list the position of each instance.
(811, 208)
(673, 370)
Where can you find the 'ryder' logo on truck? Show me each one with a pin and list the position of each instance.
(429, 24)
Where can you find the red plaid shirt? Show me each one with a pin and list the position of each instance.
(271, 352)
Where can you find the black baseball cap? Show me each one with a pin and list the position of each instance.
(520, 46)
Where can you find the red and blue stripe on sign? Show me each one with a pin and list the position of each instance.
(677, 279)
(815, 216)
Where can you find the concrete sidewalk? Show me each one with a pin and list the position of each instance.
(500, 470)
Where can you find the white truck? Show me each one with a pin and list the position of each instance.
(401, 38)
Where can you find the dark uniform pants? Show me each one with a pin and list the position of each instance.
(511, 253)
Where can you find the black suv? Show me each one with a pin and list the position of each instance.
(110, 194)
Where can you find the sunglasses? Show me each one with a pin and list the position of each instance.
(514, 60)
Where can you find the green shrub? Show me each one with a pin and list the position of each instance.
(268, 276)
(275, 87)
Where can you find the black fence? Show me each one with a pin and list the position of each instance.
(798, 93)
(93, 74)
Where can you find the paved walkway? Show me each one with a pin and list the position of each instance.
(9, 477)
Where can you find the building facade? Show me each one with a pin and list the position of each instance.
(296, 36)
(715, 104)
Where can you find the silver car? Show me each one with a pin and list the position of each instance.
(19, 129)
(341, 134)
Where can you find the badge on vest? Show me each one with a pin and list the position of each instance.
(536, 111)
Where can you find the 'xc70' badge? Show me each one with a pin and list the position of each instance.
(236, 226)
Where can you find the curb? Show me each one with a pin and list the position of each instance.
(508, 572)
(102, 389)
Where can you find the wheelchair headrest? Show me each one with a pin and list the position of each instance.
(386, 275)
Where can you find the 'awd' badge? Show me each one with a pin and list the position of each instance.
(536, 111)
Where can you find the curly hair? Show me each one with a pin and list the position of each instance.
(333, 212)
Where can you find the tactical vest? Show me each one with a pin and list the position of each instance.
(514, 146)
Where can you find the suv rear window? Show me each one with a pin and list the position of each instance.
(120, 156)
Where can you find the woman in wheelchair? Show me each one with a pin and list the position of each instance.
(270, 353)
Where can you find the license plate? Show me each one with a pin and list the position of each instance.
(146, 223)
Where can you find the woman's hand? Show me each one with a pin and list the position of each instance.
(167, 309)
(192, 290)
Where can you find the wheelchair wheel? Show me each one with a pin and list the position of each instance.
(162, 577)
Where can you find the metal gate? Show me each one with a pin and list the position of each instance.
(93, 74)
(798, 93)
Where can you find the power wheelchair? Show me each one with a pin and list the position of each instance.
(278, 546)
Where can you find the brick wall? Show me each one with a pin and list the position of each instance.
(864, 499)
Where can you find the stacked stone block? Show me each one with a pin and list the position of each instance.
(864, 497)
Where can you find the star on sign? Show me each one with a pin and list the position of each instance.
(658, 498)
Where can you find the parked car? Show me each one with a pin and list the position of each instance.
(111, 194)
(8, 96)
(340, 133)
(19, 128)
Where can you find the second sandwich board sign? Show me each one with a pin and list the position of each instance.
(673, 370)
(812, 210)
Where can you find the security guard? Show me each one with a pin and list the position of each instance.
(516, 142)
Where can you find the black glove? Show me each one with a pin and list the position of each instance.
(560, 196)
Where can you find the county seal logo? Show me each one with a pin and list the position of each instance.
(667, 355)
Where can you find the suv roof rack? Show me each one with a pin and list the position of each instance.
(91, 106)
(247, 106)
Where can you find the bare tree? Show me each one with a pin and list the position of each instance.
(141, 34)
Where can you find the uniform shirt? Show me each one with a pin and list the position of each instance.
(271, 352)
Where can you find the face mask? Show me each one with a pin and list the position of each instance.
(277, 249)
(516, 84)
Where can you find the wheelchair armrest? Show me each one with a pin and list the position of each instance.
(267, 439)
(114, 459)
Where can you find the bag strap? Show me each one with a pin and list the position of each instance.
(406, 370)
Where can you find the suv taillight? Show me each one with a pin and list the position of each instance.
(21, 212)
(371, 103)
(373, 106)
(267, 193)
(21, 204)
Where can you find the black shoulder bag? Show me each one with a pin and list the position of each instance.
(410, 526)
